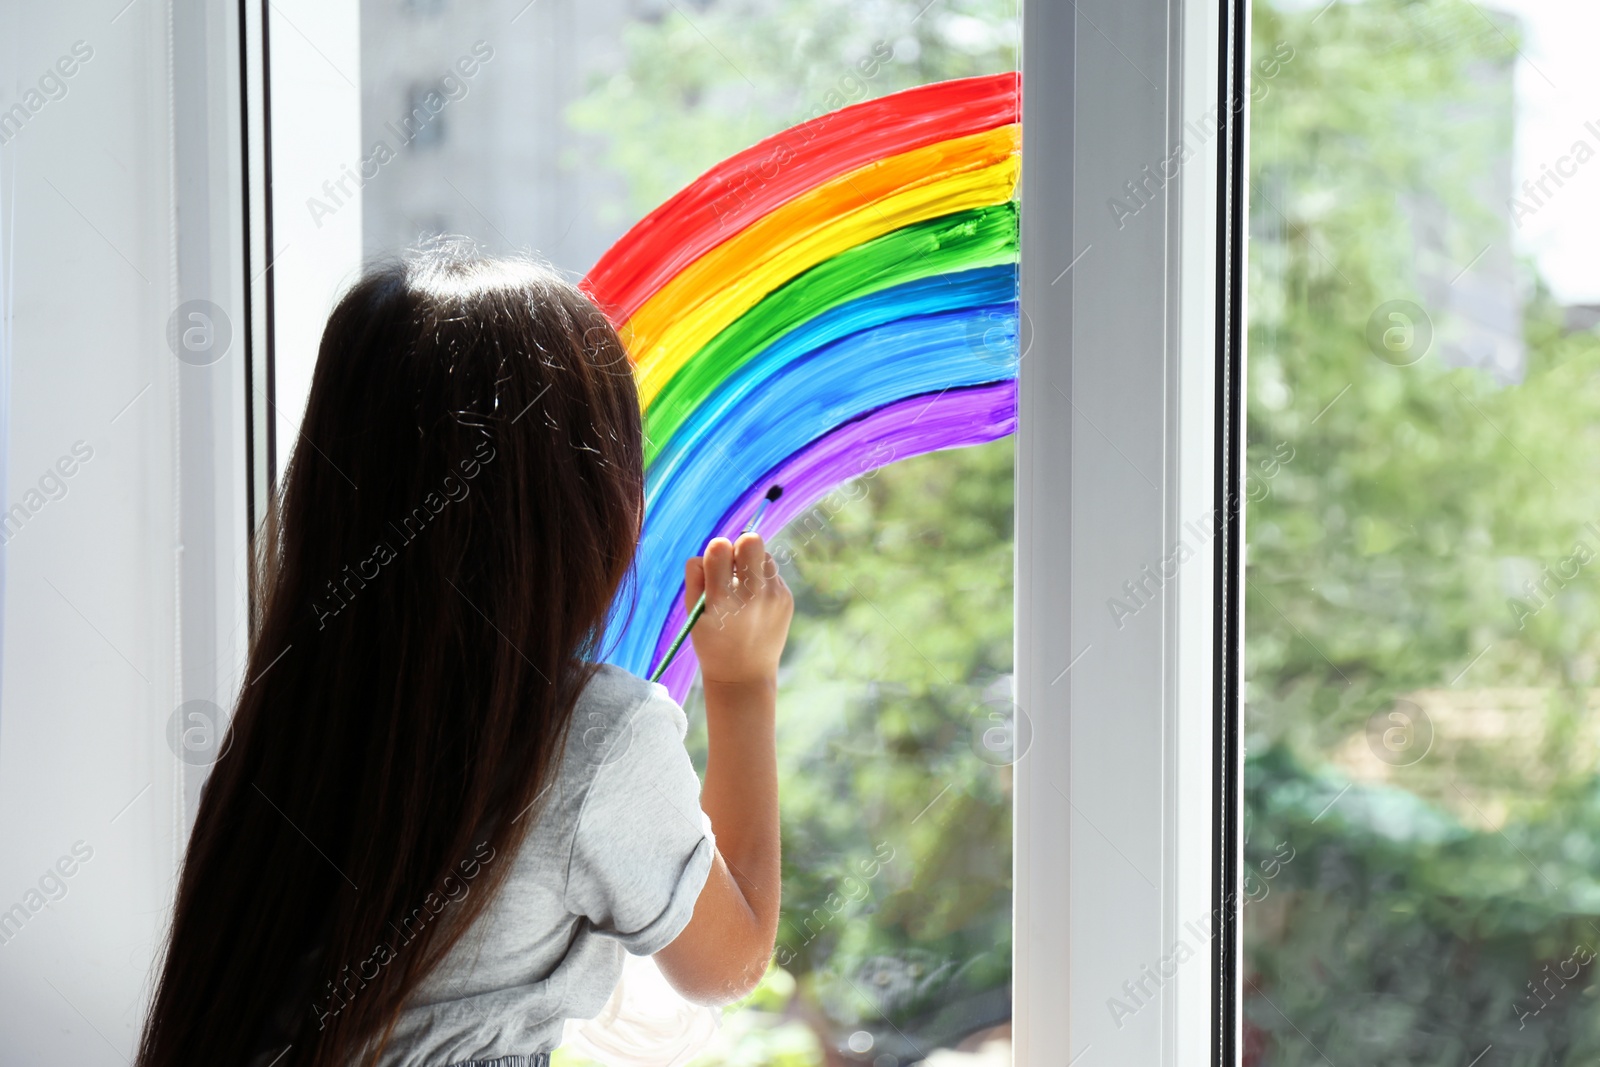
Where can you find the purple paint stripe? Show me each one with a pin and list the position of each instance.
(955, 418)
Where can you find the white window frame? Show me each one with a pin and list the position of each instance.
(1128, 442)
(126, 599)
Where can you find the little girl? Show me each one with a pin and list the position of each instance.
(438, 821)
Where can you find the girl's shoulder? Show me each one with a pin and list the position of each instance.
(615, 708)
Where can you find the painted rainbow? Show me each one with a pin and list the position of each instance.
(834, 298)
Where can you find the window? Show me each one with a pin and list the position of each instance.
(1095, 782)
(1420, 639)
(897, 716)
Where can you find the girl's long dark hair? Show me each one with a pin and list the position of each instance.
(461, 509)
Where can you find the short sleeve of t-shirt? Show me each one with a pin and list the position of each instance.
(642, 848)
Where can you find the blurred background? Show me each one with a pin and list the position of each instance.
(1422, 616)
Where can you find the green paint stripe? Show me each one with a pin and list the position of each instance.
(966, 240)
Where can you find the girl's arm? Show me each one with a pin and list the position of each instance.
(723, 952)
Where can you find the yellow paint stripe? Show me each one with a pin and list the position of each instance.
(709, 294)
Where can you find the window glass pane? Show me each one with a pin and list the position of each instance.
(556, 127)
(1423, 526)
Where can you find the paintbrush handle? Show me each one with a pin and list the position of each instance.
(683, 635)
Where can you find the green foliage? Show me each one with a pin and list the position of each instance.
(1394, 935)
(1389, 555)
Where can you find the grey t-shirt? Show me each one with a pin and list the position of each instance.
(614, 861)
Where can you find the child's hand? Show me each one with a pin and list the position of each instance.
(748, 608)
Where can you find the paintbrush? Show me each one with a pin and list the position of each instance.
(700, 605)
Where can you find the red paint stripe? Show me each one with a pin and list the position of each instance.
(733, 194)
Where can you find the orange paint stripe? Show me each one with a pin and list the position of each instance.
(709, 294)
